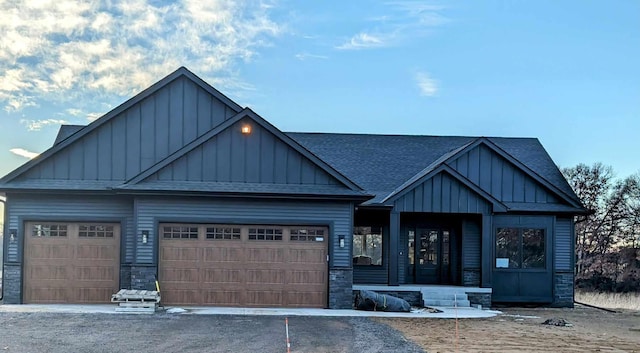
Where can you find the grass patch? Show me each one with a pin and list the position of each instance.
(628, 301)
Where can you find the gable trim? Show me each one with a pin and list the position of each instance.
(245, 113)
(180, 72)
(425, 175)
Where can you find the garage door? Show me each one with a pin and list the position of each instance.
(232, 265)
(71, 262)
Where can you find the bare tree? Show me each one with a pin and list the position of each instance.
(612, 225)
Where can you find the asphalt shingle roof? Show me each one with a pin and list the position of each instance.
(382, 163)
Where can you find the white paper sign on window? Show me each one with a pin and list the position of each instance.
(502, 263)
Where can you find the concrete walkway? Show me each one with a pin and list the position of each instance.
(446, 313)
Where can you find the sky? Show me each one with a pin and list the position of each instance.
(565, 72)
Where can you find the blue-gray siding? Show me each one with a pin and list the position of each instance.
(442, 193)
(259, 157)
(471, 244)
(69, 208)
(563, 245)
(499, 177)
(337, 215)
(139, 137)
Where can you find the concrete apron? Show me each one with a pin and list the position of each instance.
(446, 313)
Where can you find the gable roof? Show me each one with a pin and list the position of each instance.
(64, 142)
(247, 113)
(66, 131)
(384, 164)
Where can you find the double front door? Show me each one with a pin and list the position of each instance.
(430, 255)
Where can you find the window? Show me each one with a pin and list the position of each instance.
(180, 232)
(520, 248)
(223, 233)
(95, 231)
(367, 246)
(49, 230)
(265, 233)
(307, 234)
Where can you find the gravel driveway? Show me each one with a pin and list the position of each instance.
(47, 332)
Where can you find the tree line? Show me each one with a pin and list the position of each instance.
(608, 237)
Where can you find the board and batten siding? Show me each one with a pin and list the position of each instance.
(563, 260)
(258, 157)
(442, 194)
(154, 210)
(471, 244)
(499, 177)
(66, 208)
(139, 137)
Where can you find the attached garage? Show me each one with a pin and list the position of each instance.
(243, 265)
(71, 262)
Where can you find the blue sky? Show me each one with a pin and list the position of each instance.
(564, 72)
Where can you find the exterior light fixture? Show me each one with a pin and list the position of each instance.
(246, 129)
(13, 234)
(145, 236)
(341, 241)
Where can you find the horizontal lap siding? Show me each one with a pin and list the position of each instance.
(471, 244)
(563, 245)
(151, 211)
(71, 209)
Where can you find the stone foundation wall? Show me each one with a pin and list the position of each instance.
(471, 277)
(340, 288)
(12, 284)
(483, 299)
(125, 276)
(143, 277)
(563, 290)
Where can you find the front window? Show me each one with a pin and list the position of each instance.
(367, 246)
(520, 248)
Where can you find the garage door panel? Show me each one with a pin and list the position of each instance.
(265, 255)
(245, 266)
(223, 252)
(71, 262)
(262, 297)
(96, 273)
(265, 276)
(223, 297)
(223, 276)
(50, 251)
(93, 252)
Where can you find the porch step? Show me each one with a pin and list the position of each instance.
(446, 299)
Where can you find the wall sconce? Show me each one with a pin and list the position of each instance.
(246, 129)
(13, 235)
(145, 236)
(341, 241)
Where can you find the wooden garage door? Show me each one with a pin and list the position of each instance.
(231, 265)
(71, 262)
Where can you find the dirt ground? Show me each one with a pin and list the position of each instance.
(520, 330)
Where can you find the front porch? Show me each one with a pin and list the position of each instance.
(434, 295)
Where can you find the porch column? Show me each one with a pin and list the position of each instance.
(487, 251)
(394, 239)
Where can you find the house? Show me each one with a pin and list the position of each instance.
(182, 185)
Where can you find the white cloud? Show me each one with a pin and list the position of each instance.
(427, 85)
(24, 153)
(362, 41)
(305, 56)
(402, 21)
(64, 50)
(37, 125)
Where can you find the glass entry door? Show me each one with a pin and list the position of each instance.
(432, 255)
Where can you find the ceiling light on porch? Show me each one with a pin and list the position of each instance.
(246, 129)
